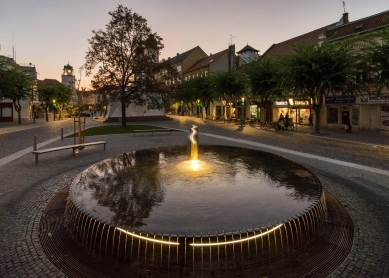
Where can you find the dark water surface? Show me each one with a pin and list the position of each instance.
(229, 189)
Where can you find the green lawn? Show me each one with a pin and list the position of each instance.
(115, 129)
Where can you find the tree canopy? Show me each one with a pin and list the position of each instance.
(126, 57)
(315, 71)
(62, 95)
(15, 84)
(260, 78)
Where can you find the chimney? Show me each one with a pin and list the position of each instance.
(230, 57)
(178, 54)
(345, 18)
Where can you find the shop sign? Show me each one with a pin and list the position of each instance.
(340, 100)
(375, 99)
(301, 102)
(281, 102)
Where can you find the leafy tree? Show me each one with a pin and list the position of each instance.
(16, 85)
(261, 83)
(63, 95)
(125, 55)
(377, 57)
(228, 86)
(315, 71)
(101, 90)
(200, 90)
(58, 92)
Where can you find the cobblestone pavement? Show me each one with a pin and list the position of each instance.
(26, 188)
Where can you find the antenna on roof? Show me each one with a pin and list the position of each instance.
(230, 39)
(344, 7)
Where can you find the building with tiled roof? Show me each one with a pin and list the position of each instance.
(47, 82)
(286, 47)
(365, 111)
(225, 60)
(182, 62)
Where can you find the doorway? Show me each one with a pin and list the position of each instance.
(345, 117)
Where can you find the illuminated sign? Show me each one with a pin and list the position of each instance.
(301, 102)
(340, 99)
(281, 102)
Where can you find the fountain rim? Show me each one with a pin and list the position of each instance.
(315, 202)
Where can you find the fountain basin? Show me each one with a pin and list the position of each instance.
(155, 205)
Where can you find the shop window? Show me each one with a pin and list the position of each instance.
(385, 116)
(332, 115)
(253, 111)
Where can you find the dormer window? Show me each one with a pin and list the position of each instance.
(359, 27)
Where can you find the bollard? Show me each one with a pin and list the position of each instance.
(61, 133)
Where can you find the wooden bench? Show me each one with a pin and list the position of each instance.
(74, 147)
(152, 131)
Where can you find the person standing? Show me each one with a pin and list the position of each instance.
(348, 125)
(310, 119)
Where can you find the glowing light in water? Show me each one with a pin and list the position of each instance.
(194, 165)
(149, 239)
(238, 240)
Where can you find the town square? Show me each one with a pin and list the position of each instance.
(150, 158)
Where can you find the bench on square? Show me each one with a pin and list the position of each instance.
(74, 147)
(152, 131)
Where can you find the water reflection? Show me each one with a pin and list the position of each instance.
(160, 190)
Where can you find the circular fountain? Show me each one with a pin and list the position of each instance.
(232, 208)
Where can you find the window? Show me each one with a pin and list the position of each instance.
(197, 75)
(179, 68)
(206, 73)
(332, 115)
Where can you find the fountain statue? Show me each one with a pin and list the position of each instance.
(193, 152)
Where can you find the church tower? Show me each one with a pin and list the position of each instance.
(68, 77)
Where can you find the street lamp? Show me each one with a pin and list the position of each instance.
(54, 105)
(242, 113)
(198, 108)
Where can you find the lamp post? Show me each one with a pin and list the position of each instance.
(54, 105)
(242, 112)
(198, 108)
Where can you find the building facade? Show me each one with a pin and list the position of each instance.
(7, 109)
(365, 111)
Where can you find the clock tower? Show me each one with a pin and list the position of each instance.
(68, 77)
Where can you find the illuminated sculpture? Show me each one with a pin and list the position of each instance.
(193, 139)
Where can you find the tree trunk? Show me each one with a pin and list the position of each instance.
(18, 108)
(317, 119)
(47, 116)
(123, 102)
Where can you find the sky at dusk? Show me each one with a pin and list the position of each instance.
(52, 33)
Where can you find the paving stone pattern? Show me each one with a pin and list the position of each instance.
(26, 188)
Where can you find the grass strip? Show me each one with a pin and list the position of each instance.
(115, 129)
